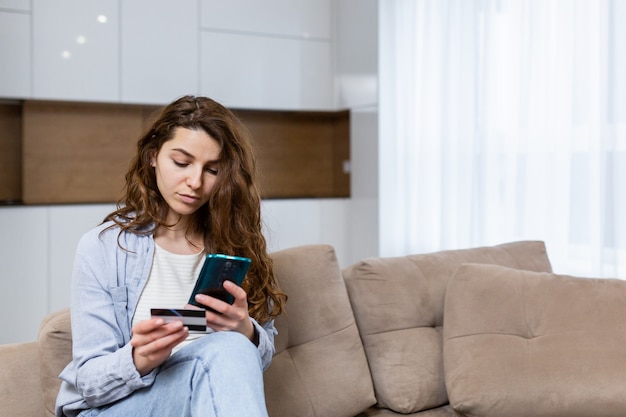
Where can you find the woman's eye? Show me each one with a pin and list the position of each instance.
(211, 171)
(180, 164)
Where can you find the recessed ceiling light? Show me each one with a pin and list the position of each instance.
(102, 18)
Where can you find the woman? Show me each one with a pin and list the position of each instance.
(190, 191)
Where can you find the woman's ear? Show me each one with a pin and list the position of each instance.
(153, 155)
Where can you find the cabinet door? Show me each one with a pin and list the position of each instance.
(16, 5)
(262, 72)
(63, 239)
(24, 273)
(15, 41)
(159, 50)
(75, 50)
(356, 53)
(298, 18)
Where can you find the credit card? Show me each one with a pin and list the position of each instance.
(193, 319)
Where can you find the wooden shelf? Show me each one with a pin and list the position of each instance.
(10, 152)
(301, 154)
(70, 152)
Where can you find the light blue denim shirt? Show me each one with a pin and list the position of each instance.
(106, 284)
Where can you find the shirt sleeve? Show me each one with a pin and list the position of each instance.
(266, 333)
(103, 368)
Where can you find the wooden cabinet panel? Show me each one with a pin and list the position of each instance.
(79, 153)
(10, 152)
(300, 154)
(76, 152)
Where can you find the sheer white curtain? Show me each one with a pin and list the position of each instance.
(503, 120)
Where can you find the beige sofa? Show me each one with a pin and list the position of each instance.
(486, 331)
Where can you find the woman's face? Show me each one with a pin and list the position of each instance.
(186, 169)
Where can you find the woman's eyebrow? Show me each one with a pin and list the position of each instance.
(189, 155)
(183, 151)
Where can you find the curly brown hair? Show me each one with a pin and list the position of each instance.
(231, 220)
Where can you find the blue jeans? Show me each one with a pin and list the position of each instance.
(218, 375)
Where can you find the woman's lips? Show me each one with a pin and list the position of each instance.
(189, 199)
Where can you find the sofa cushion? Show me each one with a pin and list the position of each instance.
(55, 352)
(398, 304)
(19, 380)
(319, 368)
(444, 411)
(520, 343)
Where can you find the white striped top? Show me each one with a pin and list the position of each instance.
(170, 283)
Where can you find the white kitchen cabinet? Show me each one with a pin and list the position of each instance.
(356, 53)
(291, 222)
(260, 72)
(159, 50)
(37, 248)
(15, 5)
(275, 54)
(76, 50)
(62, 242)
(24, 273)
(15, 41)
(299, 18)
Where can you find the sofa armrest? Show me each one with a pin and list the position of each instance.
(20, 384)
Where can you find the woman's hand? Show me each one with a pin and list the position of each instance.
(229, 317)
(153, 341)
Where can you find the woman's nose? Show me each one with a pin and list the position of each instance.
(194, 179)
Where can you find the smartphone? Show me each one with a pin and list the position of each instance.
(218, 268)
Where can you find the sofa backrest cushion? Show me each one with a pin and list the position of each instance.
(520, 343)
(319, 368)
(398, 304)
(55, 352)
